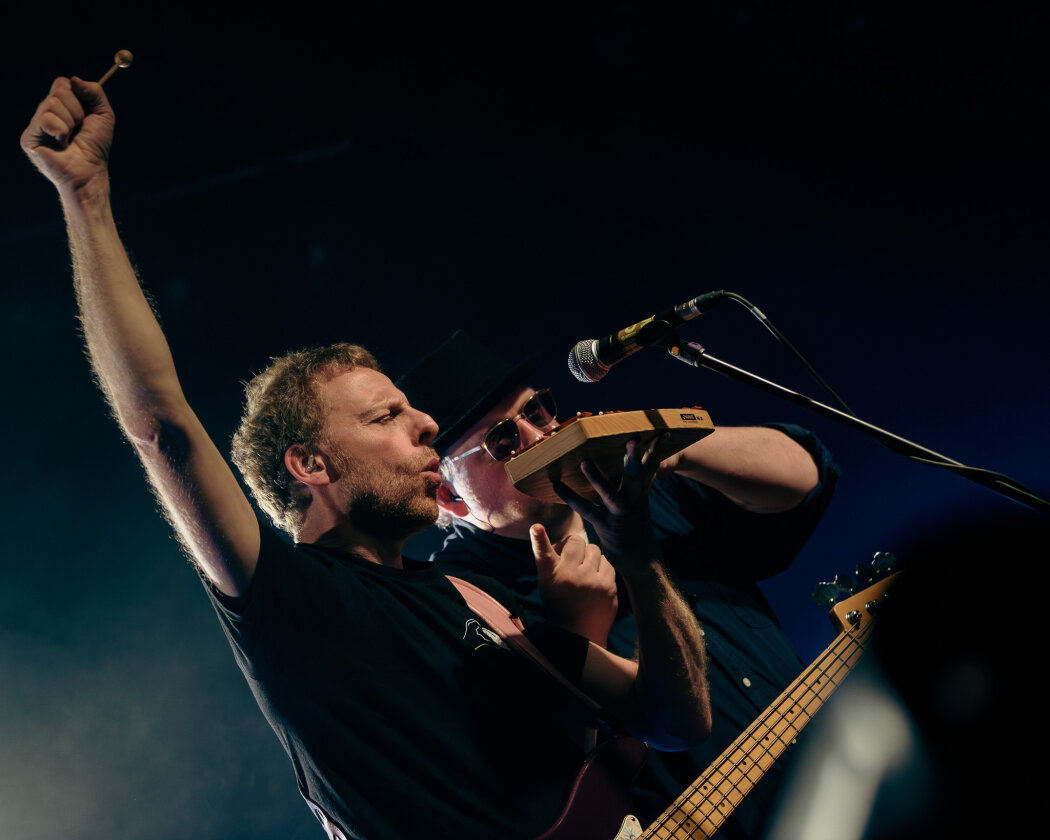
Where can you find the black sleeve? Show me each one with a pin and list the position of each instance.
(564, 649)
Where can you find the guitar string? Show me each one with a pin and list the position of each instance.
(780, 724)
(852, 640)
(818, 694)
(796, 701)
(849, 643)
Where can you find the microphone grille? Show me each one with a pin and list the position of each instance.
(583, 364)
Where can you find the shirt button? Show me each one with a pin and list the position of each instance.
(747, 682)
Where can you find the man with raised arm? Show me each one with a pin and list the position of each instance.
(728, 511)
(403, 716)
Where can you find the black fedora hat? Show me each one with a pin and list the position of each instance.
(459, 382)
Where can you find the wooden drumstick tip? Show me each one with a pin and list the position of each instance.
(123, 58)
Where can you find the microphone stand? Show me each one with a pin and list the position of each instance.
(695, 355)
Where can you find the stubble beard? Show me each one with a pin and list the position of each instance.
(388, 517)
(386, 504)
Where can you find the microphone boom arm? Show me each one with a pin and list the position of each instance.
(695, 355)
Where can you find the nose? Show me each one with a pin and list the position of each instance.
(529, 433)
(428, 429)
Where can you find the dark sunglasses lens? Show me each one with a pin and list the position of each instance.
(502, 440)
(540, 409)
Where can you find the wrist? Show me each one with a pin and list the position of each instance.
(639, 565)
(650, 590)
(90, 196)
(87, 208)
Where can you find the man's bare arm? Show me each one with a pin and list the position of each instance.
(68, 140)
(761, 469)
(663, 696)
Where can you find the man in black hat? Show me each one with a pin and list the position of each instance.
(730, 510)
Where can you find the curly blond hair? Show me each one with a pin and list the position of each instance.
(283, 408)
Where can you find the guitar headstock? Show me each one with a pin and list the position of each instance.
(850, 608)
(829, 593)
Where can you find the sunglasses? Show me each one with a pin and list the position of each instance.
(504, 438)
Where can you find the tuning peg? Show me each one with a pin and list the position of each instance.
(827, 594)
(865, 574)
(848, 583)
(883, 563)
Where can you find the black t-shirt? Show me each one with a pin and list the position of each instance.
(402, 716)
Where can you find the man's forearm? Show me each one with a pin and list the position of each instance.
(68, 140)
(664, 694)
(761, 469)
(127, 349)
(671, 687)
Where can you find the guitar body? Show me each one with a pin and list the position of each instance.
(599, 803)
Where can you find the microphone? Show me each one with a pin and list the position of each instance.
(591, 358)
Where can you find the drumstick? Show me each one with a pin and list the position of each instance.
(121, 59)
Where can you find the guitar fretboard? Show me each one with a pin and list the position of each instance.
(706, 804)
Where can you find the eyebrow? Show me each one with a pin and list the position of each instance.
(385, 404)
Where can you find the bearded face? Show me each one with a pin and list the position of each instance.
(381, 472)
(386, 501)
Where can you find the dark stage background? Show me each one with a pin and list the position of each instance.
(872, 176)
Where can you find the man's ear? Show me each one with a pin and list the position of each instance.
(448, 500)
(307, 467)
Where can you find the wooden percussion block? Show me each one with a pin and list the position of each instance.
(601, 438)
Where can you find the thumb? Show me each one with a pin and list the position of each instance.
(544, 553)
(97, 127)
(90, 94)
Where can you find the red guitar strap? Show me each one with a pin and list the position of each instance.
(509, 628)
